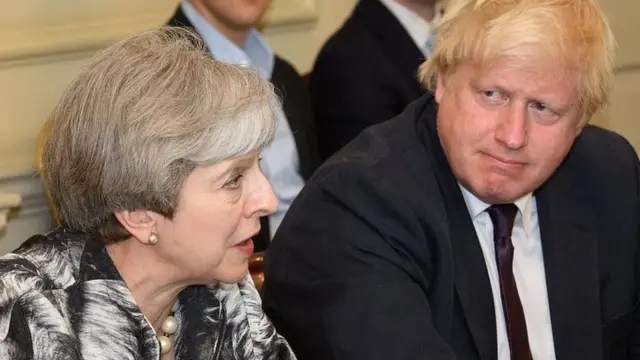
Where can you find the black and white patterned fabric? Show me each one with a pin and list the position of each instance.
(61, 297)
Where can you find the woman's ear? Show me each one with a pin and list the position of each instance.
(140, 223)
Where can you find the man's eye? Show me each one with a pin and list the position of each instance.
(493, 96)
(490, 94)
(538, 106)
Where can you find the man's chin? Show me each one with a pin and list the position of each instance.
(500, 194)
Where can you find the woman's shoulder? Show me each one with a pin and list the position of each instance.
(246, 319)
(42, 262)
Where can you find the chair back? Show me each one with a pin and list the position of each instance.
(256, 269)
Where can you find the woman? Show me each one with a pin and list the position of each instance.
(152, 164)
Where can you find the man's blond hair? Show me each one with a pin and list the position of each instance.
(570, 33)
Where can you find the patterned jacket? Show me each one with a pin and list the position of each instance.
(61, 297)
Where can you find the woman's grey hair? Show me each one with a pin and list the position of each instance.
(134, 124)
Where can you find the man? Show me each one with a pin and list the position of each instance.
(228, 29)
(366, 73)
(493, 225)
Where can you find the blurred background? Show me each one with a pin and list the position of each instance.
(43, 44)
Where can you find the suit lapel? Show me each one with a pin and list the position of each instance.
(472, 281)
(570, 250)
(471, 278)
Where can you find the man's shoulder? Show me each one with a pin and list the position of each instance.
(282, 68)
(593, 134)
(386, 149)
(351, 44)
(179, 19)
(598, 151)
(352, 33)
(602, 168)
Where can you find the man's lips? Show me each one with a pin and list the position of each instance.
(506, 161)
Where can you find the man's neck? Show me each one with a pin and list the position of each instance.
(424, 9)
(237, 35)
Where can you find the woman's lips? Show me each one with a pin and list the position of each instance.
(245, 246)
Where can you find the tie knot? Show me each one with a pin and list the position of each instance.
(503, 217)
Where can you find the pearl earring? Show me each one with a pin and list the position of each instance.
(153, 239)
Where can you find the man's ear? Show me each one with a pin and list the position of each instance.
(584, 121)
(440, 87)
(140, 223)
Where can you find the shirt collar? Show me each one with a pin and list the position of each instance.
(525, 204)
(420, 30)
(255, 53)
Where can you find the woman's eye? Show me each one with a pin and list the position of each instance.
(234, 182)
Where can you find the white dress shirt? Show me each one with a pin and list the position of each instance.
(528, 271)
(280, 162)
(421, 31)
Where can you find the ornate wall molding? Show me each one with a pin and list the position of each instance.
(32, 40)
(24, 210)
(26, 187)
(7, 203)
(43, 41)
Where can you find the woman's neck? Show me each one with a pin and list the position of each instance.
(154, 284)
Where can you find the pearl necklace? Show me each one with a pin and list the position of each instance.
(169, 327)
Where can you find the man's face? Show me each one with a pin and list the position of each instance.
(505, 128)
(236, 14)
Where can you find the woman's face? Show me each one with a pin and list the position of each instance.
(218, 213)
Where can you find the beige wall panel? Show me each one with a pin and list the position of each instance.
(43, 27)
(621, 116)
(624, 19)
(28, 95)
(43, 45)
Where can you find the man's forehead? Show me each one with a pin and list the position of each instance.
(535, 74)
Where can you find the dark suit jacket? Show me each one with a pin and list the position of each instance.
(297, 108)
(365, 74)
(378, 257)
